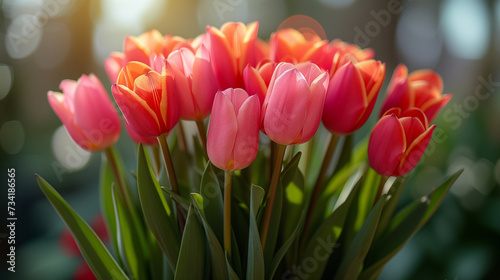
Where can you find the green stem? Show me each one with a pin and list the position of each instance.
(383, 180)
(277, 162)
(202, 131)
(124, 192)
(318, 186)
(227, 212)
(172, 178)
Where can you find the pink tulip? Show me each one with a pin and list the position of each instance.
(420, 89)
(351, 96)
(87, 113)
(292, 110)
(195, 83)
(398, 141)
(233, 132)
(232, 48)
(146, 99)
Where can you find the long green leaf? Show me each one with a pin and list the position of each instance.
(210, 190)
(255, 260)
(157, 213)
(107, 206)
(230, 270)
(393, 196)
(274, 224)
(352, 262)
(100, 261)
(218, 260)
(192, 252)
(326, 236)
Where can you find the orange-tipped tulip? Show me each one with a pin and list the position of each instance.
(351, 95)
(146, 99)
(291, 112)
(398, 141)
(87, 113)
(233, 133)
(291, 45)
(195, 82)
(232, 48)
(420, 89)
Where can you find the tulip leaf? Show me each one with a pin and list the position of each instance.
(128, 246)
(274, 223)
(106, 182)
(157, 213)
(210, 190)
(289, 170)
(218, 260)
(255, 259)
(353, 259)
(181, 201)
(192, 251)
(97, 256)
(393, 196)
(345, 154)
(393, 240)
(326, 236)
(230, 270)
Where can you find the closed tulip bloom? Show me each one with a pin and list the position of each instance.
(146, 99)
(150, 141)
(87, 113)
(398, 141)
(292, 109)
(232, 48)
(351, 96)
(195, 83)
(420, 89)
(233, 132)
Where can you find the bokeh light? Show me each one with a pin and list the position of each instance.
(6, 80)
(67, 152)
(466, 28)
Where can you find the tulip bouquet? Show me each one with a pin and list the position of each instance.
(258, 190)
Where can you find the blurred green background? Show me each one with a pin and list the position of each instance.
(45, 41)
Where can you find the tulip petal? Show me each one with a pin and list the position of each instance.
(386, 145)
(94, 113)
(433, 109)
(221, 132)
(414, 152)
(134, 50)
(247, 138)
(314, 107)
(413, 127)
(254, 83)
(310, 71)
(204, 82)
(223, 58)
(113, 64)
(285, 113)
(136, 111)
(182, 85)
(345, 100)
(429, 77)
(130, 72)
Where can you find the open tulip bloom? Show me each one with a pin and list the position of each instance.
(256, 197)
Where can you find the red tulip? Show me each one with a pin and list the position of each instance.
(291, 112)
(233, 132)
(351, 96)
(87, 113)
(146, 99)
(150, 141)
(398, 141)
(195, 82)
(420, 89)
(232, 48)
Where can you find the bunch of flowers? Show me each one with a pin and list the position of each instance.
(254, 195)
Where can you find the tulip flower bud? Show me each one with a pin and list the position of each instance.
(292, 110)
(420, 89)
(195, 83)
(351, 96)
(146, 99)
(233, 133)
(87, 113)
(398, 141)
(257, 79)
